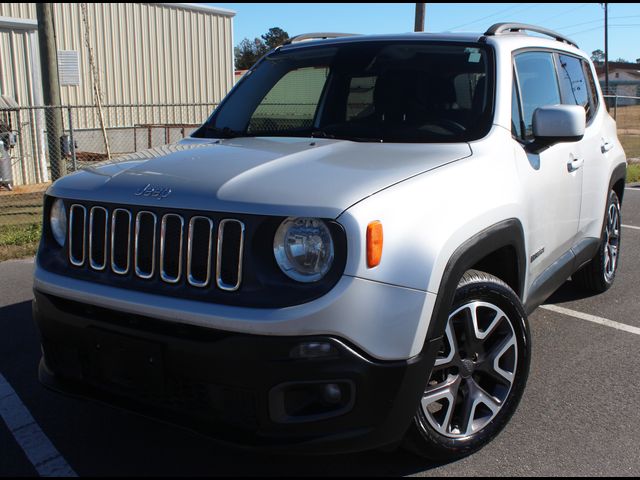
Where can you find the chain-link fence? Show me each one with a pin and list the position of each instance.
(626, 111)
(81, 136)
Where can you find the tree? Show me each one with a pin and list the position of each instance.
(597, 56)
(622, 60)
(248, 52)
(274, 37)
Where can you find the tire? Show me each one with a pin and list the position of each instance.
(598, 275)
(485, 375)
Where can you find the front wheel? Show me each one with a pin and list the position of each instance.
(479, 374)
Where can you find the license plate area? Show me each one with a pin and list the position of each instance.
(127, 364)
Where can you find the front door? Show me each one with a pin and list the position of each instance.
(554, 176)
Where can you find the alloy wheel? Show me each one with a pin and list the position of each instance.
(474, 370)
(612, 241)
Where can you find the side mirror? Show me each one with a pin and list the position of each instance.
(557, 123)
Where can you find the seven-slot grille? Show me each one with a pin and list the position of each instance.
(147, 245)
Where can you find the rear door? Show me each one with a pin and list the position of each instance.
(578, 88)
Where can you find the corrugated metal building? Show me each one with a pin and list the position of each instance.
(144, 53)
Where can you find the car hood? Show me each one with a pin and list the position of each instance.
(269, 176)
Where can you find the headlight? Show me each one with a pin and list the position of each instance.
(303, 248)
(58, 221)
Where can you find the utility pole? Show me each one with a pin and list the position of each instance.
(50, 87)
(606, 48)
(419, 23)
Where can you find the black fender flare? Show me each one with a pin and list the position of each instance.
(619, 173)
(505, 233)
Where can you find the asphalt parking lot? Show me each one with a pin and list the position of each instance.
(579, 414)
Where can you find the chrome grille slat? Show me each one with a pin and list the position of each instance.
(163, 232)
(103, 240)
(136, 257)
(114, 215)
(113, 247)
(190, 278)
(72, 212)
(219, 256)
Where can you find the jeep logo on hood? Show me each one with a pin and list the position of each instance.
(153, 191)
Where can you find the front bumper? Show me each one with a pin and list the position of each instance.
(387, 322)
(238, 388)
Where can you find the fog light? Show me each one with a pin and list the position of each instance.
(311, 401)
(332, 393)
(313, 350)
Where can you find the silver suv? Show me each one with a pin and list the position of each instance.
(343, 256)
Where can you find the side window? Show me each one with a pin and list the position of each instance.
(573, 84)
(591, 88)
(538, 85)
(291, 103)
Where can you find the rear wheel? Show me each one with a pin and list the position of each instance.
(598, 275)
(479, 374)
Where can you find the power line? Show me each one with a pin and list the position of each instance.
(542, 22)
(485, 18)
(594, 21)
(597, 28)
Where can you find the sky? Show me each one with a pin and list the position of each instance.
(581, 22)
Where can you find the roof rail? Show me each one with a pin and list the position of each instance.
(317, 36)
(506, 27)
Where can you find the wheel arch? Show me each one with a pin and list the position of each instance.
(617, 181)
(498, 250)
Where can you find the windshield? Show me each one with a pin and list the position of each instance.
(363, 91)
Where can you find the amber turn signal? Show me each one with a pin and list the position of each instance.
(374, 243)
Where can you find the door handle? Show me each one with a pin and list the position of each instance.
(574, 164)
(606, 146)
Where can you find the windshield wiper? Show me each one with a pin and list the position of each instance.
(366, 139)
(320, 134)
(343, 136)
(224, 132)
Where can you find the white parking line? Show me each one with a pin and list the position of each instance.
(37, 447)
(592, 318)
(631, 226)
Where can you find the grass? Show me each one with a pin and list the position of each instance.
(628, 123)
(19, 241)
(20, 223)
(633, 173)
(631, 145)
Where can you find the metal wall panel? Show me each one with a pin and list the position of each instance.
(144, 53)
(18, 10)
(18, 56)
